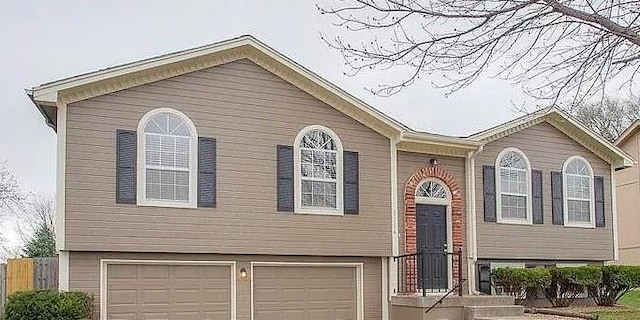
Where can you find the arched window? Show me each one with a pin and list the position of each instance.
(432, 191)
(577, 177)
(167, 159)
(318, 161)
(513, 187)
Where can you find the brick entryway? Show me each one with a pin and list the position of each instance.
(434, 172)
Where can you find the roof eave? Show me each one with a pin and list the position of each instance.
(51, 123)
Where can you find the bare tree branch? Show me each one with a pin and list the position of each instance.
(551, 48)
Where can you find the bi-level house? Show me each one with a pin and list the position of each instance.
(229, 182)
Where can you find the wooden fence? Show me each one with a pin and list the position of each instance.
(27, 274)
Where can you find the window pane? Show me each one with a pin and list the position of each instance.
(318, 194)
(578, 186)
(307, 170)
(578, 166)
(578, 211)
(318, 157)
(167, 185)
(513, 159)
(317, 139)
(514, 207)
(307, 186)
(306, 156)
(307, 200)
(167, 123)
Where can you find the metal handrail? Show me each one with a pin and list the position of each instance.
(456, 287)
(408, 269)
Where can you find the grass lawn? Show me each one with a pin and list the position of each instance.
(629, 308)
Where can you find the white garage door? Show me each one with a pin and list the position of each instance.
(298, 292)
(160, 291)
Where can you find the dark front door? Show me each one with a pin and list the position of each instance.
(431, 229)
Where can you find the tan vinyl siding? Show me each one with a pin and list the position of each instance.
(628, 194)
(249, 111)
(547, 149)
(85, 274)
(408, 164)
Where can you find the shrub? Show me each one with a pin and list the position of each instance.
(616, 282)
(569, 283)
(521, 283)
(49, 305)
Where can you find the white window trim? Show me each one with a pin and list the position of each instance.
(141, 163)
(528, 201)
(565, 198)
(339, 210)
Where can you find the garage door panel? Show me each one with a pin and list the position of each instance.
(305, 292)
(144, 291)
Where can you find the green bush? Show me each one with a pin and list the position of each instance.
(49, 305)
(521, 283)
(568, 283)
(616, 282)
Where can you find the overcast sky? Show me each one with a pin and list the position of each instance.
(41, 41)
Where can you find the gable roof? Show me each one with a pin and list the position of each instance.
(567, 125)
(628, 132)
(104, 81)
(48, 96)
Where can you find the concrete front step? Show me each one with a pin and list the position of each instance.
(493, 312)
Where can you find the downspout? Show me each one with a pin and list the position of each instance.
(614, 213)
(393, 148)
(472, 245)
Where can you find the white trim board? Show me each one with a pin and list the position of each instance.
(359, 266)
(104, 263)
(61, 152)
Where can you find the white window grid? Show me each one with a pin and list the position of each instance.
(575, 203)
(319, 179)
(149, 166)
(520, 185)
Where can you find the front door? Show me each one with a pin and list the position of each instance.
(431, 229)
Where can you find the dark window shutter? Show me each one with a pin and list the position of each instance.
(598, 185)
(126, 155)
(206, 172)
(351, 182)
(285, 178)
(557, 202)
(489, 187)
(536, 196)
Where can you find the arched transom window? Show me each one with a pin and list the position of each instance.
(578, 186)
(432, 189)
(168, 158)
(319, 170)
(513, 186)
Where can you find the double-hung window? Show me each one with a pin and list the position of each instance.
(167, 159)
(578, 187)
(513, 177)
(318, 171)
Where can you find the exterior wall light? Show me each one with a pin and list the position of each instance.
(243, 273)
